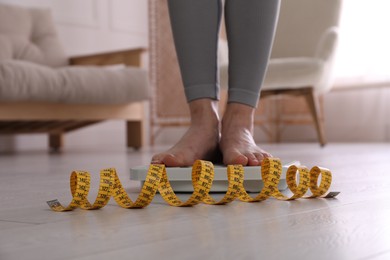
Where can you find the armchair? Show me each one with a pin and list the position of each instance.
(303, 53)
(43, 91)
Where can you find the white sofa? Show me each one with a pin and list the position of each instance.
(41, 92)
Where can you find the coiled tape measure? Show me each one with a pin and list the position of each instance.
(202, 180)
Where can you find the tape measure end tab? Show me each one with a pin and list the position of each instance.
(332, 195)
(55, 205)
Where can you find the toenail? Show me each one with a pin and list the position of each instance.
(155, 161)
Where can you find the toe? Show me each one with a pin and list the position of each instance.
(171, 160)
(262, 155)
(157, 159)
(266, 154)
(259, 157)
(166, 158)
(235, 157)
(252, 159)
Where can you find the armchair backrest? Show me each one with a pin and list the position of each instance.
(29, 34)
(302, 23)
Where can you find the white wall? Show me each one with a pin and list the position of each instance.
(364, 40)
(91, 26)
(86, 27)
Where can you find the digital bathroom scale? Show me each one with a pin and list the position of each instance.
(180, 177)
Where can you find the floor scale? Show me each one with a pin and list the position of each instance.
(180, 178)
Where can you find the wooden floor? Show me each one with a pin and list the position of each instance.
(356, 225)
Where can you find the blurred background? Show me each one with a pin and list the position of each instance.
(355, 109)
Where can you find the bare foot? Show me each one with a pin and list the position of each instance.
(201, 139)
(237, 144)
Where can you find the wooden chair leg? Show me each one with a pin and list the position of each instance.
(134, 134)
(313, 103)
(56, 141)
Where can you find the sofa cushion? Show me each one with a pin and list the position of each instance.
(33, 37)
(286, 73)
(293, 73)
(26, 81)
(5, 48)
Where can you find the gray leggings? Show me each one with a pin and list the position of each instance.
(250, 28)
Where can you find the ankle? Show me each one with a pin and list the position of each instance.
(204, 112)
(238, 115)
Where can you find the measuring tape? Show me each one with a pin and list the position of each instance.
(202, 179)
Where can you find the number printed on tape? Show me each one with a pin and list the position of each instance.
(202, 180)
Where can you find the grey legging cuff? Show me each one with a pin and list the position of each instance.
(250, 27)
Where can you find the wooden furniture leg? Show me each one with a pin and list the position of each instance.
(56, 141)
(313, 104)
(134, 134)
(312, 101)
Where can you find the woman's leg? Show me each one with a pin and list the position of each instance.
(195, 26)
(250, 28)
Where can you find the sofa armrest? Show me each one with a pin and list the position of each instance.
(326, 51)
(130, 57)
(327, 45)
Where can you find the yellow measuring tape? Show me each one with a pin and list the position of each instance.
(202, 179)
